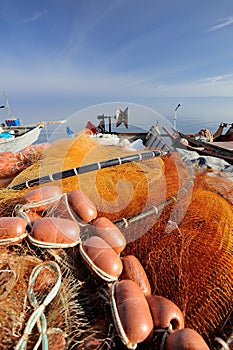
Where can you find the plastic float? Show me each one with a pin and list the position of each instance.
(12, 164)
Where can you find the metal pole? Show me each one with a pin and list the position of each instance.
(174, 125)
(110, 124)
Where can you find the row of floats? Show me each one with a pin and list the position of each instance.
(137, 315)
(13, 163)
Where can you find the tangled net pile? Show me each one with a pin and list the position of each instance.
(185, 249)
(16, 266)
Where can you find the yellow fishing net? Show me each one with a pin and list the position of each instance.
(114, 190)
(185, 249)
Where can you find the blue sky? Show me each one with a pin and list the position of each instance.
(60, 56)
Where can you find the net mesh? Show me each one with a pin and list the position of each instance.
(186, 249)
(69, 314)
(193, 264)
(114, 190)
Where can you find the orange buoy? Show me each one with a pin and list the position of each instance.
(12, 229)
(47, 194)
(131, 313)
(133, 270)
(82, 205)
(185, 339)
(56, 230)
(105, 229)
(165, 313)
(32, 216)
(101, 258)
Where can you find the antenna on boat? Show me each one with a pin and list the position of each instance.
(121, 117)
(7, 104)
(178, 106)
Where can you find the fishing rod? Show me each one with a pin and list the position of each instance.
(88, 168)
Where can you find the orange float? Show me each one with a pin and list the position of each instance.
(55, 231)
(131, 313)
(41, 198)
(133, 270)
(101, 258)
(105, 229)
(82, 205)
(165, 313)
(185, 339)
(12, 230)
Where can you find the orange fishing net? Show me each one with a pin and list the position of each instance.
(185, 249)
(113, 190)
(193, 264)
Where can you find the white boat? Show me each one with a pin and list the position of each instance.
(15, 138)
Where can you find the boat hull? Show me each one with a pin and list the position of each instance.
(27, 138)
(222, 150)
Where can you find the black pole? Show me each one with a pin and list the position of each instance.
(110, 124)
(87, 168)
(177, 107)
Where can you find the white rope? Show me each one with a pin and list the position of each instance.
(38, 316)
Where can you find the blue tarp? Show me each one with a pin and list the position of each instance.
(5, 135)
(69, 132)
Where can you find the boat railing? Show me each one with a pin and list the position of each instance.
(154, 139)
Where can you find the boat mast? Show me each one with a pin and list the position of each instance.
(7, 104)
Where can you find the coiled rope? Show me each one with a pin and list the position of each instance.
(38, 316)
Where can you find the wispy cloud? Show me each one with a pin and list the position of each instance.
(219, 78)
(82, 29)
(227, 21)
(36, 16)
(92, 83)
